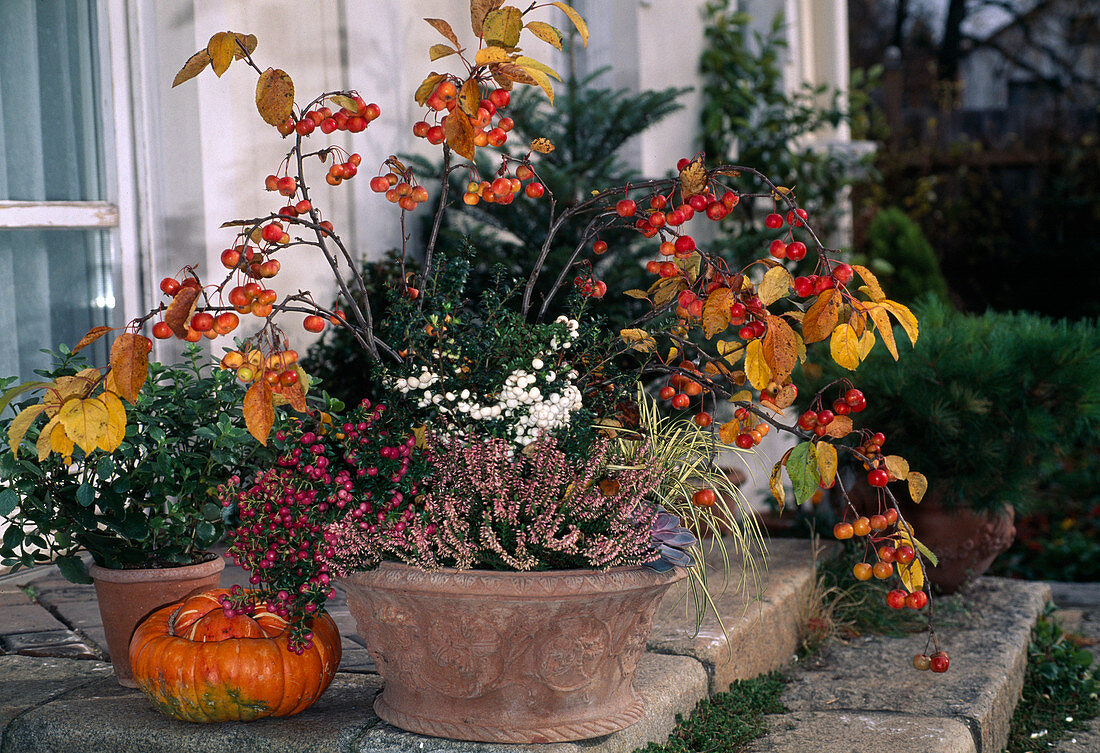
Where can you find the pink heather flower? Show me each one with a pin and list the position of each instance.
(491, 508)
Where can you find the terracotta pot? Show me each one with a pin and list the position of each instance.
(965, 542)
(128, 596)
(507, 657)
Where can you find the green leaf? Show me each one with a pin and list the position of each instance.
(72, 569)
(211, 511)
(803, 472)
(205, 534)
(9, 500)
(105, 467)
(85, 495)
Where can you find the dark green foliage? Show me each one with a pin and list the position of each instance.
(1060, 538)
(1059, 686)
(984, 406)
(152, 501)
(902, 258)
(727, 722)
(750, 119)
(588, 126)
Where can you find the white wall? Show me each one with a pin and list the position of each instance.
(213, 150)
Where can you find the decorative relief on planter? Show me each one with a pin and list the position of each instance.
(507, 657)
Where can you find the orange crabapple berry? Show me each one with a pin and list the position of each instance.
(313, 323)
(703, 419)
(162, 331)
(843, 531)
(861, 526)
(922, 662)
(862, 571)
(878, 522)
(883, 570)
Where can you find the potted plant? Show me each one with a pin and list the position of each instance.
(510, 452)
(990, 403)
(144, 506)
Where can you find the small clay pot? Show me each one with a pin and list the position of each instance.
(507, 657)
(126, 597)
(965, 542)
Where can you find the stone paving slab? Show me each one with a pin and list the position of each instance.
(102, 716)
(761, 624)
(988, 651)
(12, 596)
(858, 732)
(28, 682)
(27, 618)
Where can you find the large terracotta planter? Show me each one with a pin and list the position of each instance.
(965, 542)
(507, 657)
(127, 596)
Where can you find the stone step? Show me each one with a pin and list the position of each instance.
(760, 609)
(863, 695)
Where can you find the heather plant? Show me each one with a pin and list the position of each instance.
(505, 510)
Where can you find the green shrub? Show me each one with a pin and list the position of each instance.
(984, 406)
(899, 253)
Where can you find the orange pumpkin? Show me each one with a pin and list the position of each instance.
(198, 665)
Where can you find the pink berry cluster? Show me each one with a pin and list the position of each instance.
(359, 472)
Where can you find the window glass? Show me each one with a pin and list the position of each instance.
(51, 135)
(55, 285)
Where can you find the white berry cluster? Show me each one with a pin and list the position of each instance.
(529, 408)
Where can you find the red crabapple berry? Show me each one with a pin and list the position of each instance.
(878, 477)
(896, 599)
(939, 662)
(773, 221)
(916, 600)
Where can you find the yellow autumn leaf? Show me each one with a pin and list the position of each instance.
(912, 575)
(728, 431)
(437, 51)
(885, 328)
(905, 317)
(427, 86)
(897, 465)
(775, 484)
(756, 368)
(826, 463)
(918, 485)
(874, 290)
(866, 342)
(541, 79)
(20, 424)
(526, 62)
(221, 48)
(639, 340)
(578, 21)
(844, 346)
(716, 312)
(693, 179)
(776, 283)
(116, 422)
(731, 351)
(547, 33)
(487, 55)
(61, 443)
(542, 145)
(85, 421)
(42, 446)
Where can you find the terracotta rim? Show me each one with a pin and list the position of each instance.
(141, 575)
(520, 584)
